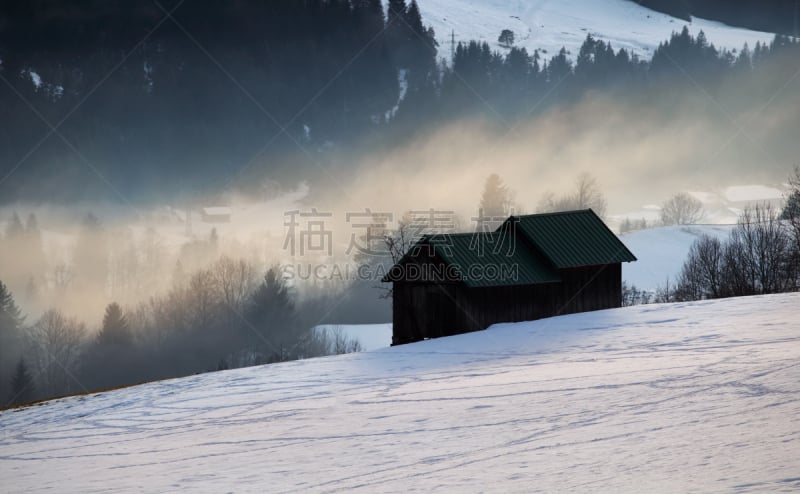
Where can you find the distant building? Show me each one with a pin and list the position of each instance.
(216, 214)
(531, 267)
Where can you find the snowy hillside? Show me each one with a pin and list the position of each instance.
(701, 396)
(661, 252)
(551, 24)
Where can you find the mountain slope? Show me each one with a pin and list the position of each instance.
(700, 396)
(661, 252)
(767, 15)
(551, 24)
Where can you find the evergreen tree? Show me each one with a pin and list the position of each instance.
(272, 328)
(115, 332)
(744, 62)
(560, 68)
(11, 321)
(22, 385)
(11, 318)
(374, 77)
(495, 203)
(369, 19)
(586, 58)
(396, 11)
(113, 359)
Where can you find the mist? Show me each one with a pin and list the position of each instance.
(640, 152)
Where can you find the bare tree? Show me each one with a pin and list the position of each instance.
(401, 240)
(681, 209)
(236, 279)
(340, 343)
(702, 273)
(58, 341)
(398, 243)
(62, 277)
(629, 225)
(756, 259)
(762, 241)
(203, 299)
(587, 195)
(633, 296)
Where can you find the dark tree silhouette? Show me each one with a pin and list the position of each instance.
(791, 210)
(11, 318)
(11, 322)
(22, 385)
(271, 320)
(506, 38)
(115, 331)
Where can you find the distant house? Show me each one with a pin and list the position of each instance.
(531, 267)
(216, 214)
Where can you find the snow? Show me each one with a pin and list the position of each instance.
(661, 252)
(370, 336)
(721, 205)
(698, 396)
(752, 193)
(402, 84)
(36, 79)
(551, 24)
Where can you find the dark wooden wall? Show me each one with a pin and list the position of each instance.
(431, 310)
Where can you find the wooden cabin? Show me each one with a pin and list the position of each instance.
(531, 267)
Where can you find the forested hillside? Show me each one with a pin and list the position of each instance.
(780, 16)
(189, 92)
(141, 100)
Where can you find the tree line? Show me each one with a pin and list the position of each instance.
(778, 16)
(220, 317)
(146, 96)
(190, 92)
(760, 256)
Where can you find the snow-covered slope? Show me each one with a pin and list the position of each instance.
(661, 252)
(370, 336)
(551, 24)
(702, 397)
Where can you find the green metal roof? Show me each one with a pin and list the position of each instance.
(525, 250)
(571, 239)
(492, 259)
